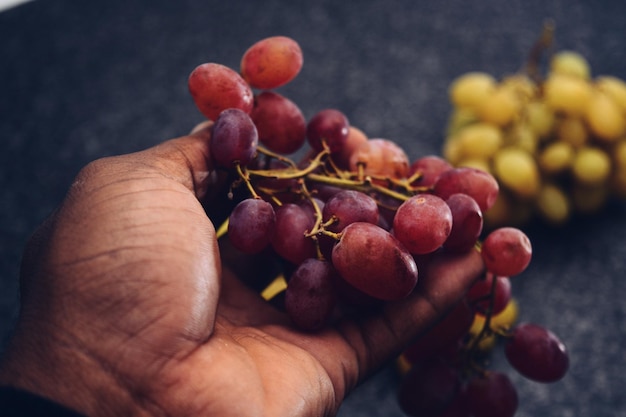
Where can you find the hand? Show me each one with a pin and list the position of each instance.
(127, 309)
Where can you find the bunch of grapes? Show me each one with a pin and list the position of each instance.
(353, 219)
(556, 142)
(446, 372)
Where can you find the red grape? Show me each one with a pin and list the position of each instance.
(506, 251)
(251, 225)
(281, 124)
(349, 206)
(480, 185)
(422, 223)
(428, 388)
(373, 261)
(328, 126)
(492, 395)
(271, 62)
(380, 157)
(234, 138)
(215, 87)
(467, 223)
(430, 168)
(289, 240)
(310, 296)
(537, 353)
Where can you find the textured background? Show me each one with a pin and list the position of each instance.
(80, 80)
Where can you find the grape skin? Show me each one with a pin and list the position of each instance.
(506, 251)
(537, 353)
(289, 240)
(422, 223)
(279, 121)
(373, 261)
(251, 225)
(349, 206)
(271, 62)
(310, 297)
(329, 126)
(467, 223)
(234, 138)
(215, 87)
(492, 395)
(479, 185)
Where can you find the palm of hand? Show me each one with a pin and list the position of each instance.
(128, 280)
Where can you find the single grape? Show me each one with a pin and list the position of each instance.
(479, 140)
(329, 126)
(605, 118)
(289, 240)
(380, 157)
(467, 223)
(428, 388)
(373, 261)
(471, 89)
(517, 170)
(234, 138)
(279, 121)
(355, 138)
(537, 353)
(567, 94)
(506, 251)
(492, 395)
(570, 63)
(422, 223)
(310, 297)
(349, 206)
(430, 167)
(479, 185)
(251, 225)
(479, 294)
(500, 107)
(271, 62)
(215, 87)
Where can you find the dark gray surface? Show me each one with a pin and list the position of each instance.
(80, 80)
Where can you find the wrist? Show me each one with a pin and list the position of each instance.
(56, 368)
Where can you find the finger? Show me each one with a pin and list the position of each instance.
(377, 338)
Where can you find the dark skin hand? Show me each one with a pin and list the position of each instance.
(127, 309)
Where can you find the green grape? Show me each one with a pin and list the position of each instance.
(517, 170)
(471, 89)
(570, 63)
(591, 166)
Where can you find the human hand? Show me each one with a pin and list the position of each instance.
(128, 310)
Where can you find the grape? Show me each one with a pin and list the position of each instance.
(605, 118)
(349, 206)
(251, 225)
(570, 63)
(430, 168)
(537, 353)
(422, 223)
(479, 185)
(234, 138)
(591, 166)
(613, 87)
(215, 87)
(506, 251)
(279, 121)
(271, 62)
(467, 223)
(553, 204)
(355, 138)
(517, 170)
(492, 395)
(380, 157)
(499, 108)
(310, 296)
(428, 389)
(471, 89)
(567, 94)
(447, 331)
(289, 240)
(373, 261)
(329, 126)
(479, 140)
(479, 293)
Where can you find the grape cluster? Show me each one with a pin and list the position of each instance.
(555, 139)
(353, 220)
(446, 371)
